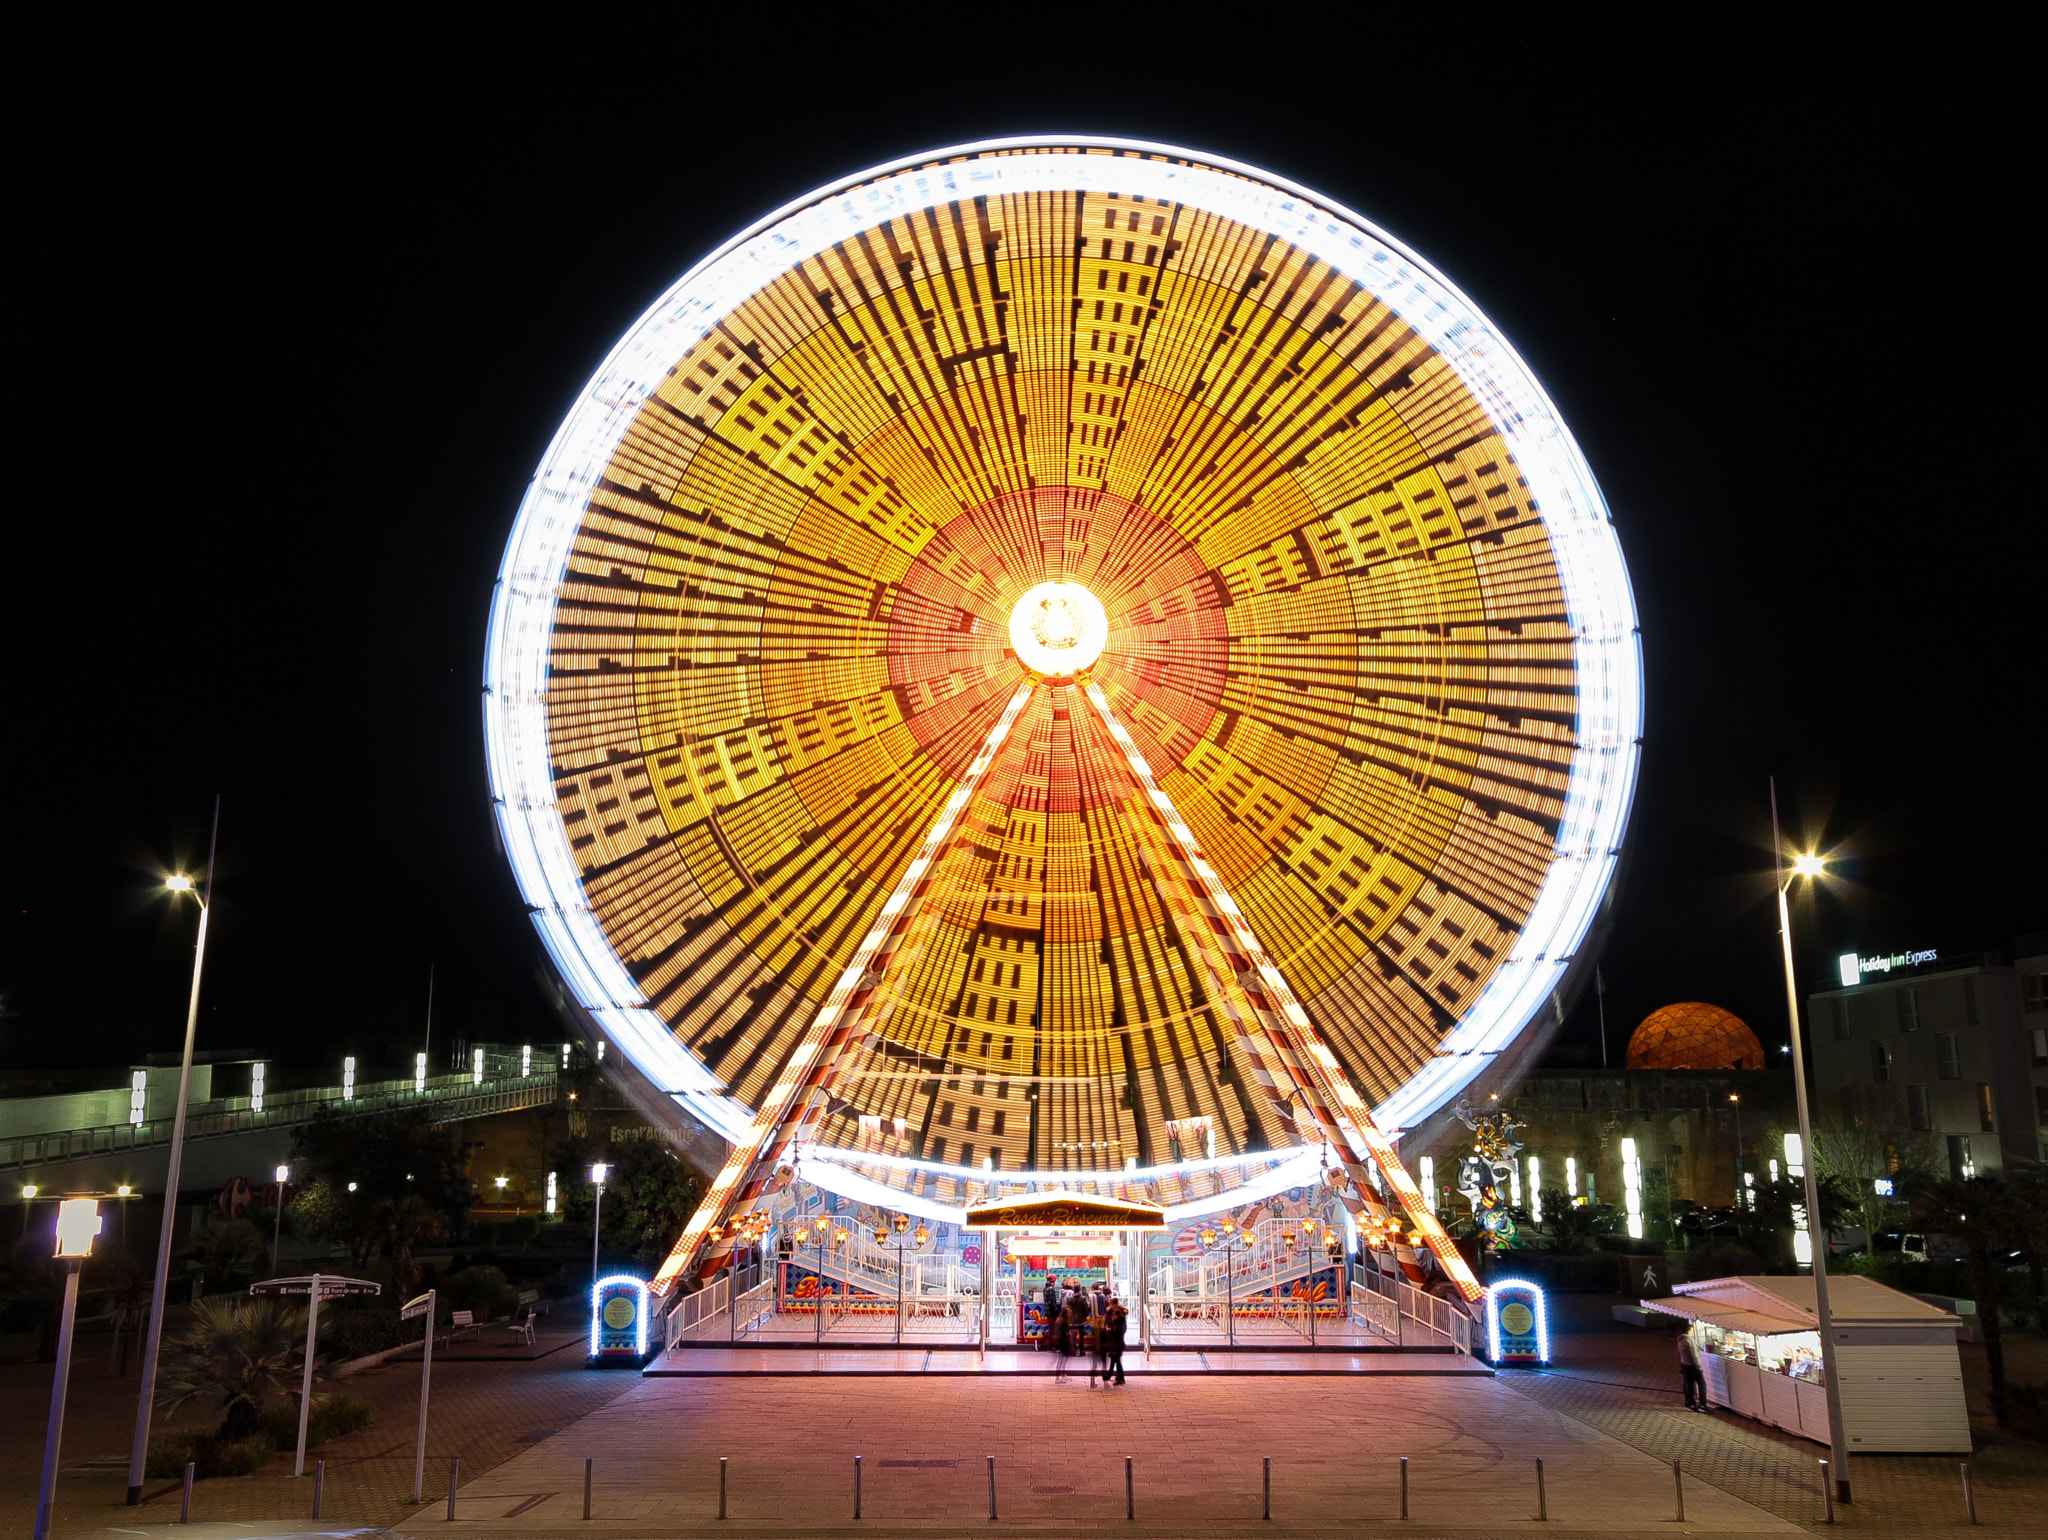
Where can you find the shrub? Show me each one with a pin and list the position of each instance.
(212, 1456)
(333, 1415)
(169, 1456)
(358, 1333)
(479, 1289)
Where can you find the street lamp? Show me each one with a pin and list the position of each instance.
(1736, 1101)
(897, 1236)
(596, 1214)
(145, 1399)
(1230, 1245)
(1838, 1444)
(830, 1236)
(78, 1221)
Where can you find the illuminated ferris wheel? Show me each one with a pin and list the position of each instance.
(1062, 664)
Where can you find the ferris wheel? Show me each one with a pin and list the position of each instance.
(1068, 662)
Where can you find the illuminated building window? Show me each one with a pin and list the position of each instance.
(1987, 1116)
(1948, 1056)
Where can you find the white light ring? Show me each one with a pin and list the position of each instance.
(1595, 584)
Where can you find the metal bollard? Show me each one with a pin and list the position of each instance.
(319, 1484)
(1266, 1492)
(1130, 1491)
(991, 1489)
(1542, 1501)
(1827, 1493)
(1404, 1486)
(185, 1509)
(721, 1486)
(454, 1471)
(589, 1467)
(856, 1486)
(1969, 1497)
(1678, 1488)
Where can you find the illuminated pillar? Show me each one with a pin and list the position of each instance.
(419, 1073)
(1536, 1188)
(1632, 1188)
(1428, 1181)
(1802, 1237)
(256, 1073)
(1571, 1177)
(476, 1067)
(526, 1061)
(551, 1192)
(348, 1079)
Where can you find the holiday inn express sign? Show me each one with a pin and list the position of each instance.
(1854, 967)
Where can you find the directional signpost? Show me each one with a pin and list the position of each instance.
(315, 1288)
(424, 1305)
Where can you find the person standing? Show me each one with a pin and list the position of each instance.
(1115, 1321)
(1063, 1329)
(1689, 1374)
(1053, 1301)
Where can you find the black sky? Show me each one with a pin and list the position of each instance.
(299, 316)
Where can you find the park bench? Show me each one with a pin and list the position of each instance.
(520, 1327)
(461, 1324)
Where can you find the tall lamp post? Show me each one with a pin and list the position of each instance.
(78, 1221)
(153, 1328)
(597, 1174)
(280, 1176)
(898, 1237)
(1838, 1444)
(829, 1236)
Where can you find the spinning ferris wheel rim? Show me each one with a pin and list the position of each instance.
(1606, 655)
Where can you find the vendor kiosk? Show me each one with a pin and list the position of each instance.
(1759, 1347)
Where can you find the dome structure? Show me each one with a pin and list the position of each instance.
(1694, 1035)
(1014, 621)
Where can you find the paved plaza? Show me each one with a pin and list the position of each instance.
(1606, 1421)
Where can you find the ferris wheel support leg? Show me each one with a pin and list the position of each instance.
(797, 1099)
(1321, 1080)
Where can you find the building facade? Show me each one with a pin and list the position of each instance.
(1948, 1056)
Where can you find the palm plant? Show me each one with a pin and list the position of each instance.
(1979, 1212)
(217, 1249)
(239, 1353)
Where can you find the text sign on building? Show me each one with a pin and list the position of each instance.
(1854, 967)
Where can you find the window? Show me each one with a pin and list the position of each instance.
(2040, 1037)
(2035, 988)
(1961, 1163)
(1917, 1114)
(1970, 1003)
(1908, 1003)
(2041, 1105)
(1987, 1118)
(1841, 1017)
(1880, 1063)
(1950, 1052)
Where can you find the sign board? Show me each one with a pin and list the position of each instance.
(1853, 966)
(330, 1288)
(1645, 1277)
(618, 1320)
(418, 1306)
(1516, 1329)
(1059, 1246)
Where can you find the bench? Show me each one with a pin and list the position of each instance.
(531, 1302)
(461, 1324)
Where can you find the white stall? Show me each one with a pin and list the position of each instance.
(1759, 1342)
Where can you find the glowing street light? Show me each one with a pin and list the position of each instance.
(1810, 866)
(597, 1175)
(78, 1221)
(279, 1177)
(145, 1399)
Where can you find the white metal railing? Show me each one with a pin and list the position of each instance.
(1376, 1313)
(1439, 1315)
(693, 1311)
(754, 1309)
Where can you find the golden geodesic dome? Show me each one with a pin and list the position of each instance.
(1694, 1035)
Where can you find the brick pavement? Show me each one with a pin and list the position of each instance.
(485, 1412)
(1623, 1381)
(1198, 1442)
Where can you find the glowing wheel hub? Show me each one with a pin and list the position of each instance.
(1058, 628)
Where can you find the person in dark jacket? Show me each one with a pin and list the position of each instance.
(1110, 1337)
(1053, 1300)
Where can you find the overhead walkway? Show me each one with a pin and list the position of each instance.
(228, 1137)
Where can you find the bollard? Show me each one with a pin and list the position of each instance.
(1678, 1488)
(1969, 1498)
(1827, 1493)
(1266, 1491)
(454, 1470)
(185, 1509)
(319, 1484)
(856, 1486)
(721, 1486)
(991, 1489)
(589, 1466)
(1404, 1486)
(1130, 1491)
(1542, 1501)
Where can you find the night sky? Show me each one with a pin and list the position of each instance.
(298, 323)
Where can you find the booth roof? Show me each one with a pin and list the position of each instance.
(1855, 1301)
(1066, 1210)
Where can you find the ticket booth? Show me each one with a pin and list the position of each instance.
(1074, 1237)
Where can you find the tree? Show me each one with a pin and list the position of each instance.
(1571, 1224)
(1981, 1213)
(649, 1195)
(239, 1353)
(1859, 1144)
(217, 1249)
(1779, 1203)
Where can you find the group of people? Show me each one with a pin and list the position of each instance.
(1081, 1321)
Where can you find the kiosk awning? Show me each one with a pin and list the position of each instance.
(1064, 1211)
